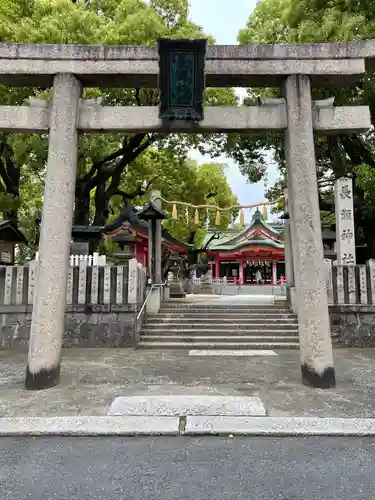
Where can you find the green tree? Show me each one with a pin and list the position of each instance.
(102, 163)
(295, 21)
(183, 180)
(206, 185)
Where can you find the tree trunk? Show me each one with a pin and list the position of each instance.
(81, 209)
(101, 205)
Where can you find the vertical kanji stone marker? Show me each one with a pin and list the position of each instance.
(345, 239)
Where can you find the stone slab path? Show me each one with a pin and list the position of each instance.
(182, 405)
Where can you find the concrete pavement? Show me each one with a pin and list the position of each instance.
(147, 468)
(92, 378)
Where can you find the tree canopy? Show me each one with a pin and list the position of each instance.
(302, 21)
(107, 163)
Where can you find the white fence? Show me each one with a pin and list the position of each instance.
(90, 260)
(86, 285)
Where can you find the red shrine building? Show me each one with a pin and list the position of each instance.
(249, 256)
(139, 231)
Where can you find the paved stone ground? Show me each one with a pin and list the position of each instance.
(92, 378)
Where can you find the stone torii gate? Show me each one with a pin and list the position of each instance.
(293, 68)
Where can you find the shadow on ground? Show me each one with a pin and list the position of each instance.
(92, 378)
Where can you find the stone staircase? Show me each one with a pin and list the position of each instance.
(219, 326)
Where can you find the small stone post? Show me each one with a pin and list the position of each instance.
(289, 271)
(150, 254)
(345, 238)
(308, 259)
(158, 244)
(274, 273)
(48, 317)
(153, 304)
(242, 273)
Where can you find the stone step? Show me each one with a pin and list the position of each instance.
(221, 320)
(216, 331)
(219, 333)
(179, 405)
(219, 302)
(143, 344)
(225, 315)
(234, 325)
(237, 307)
(223, 310)
(219, 338)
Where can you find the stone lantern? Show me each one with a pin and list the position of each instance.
(126, 240)
(153, 216)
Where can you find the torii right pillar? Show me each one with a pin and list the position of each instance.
(306, 233)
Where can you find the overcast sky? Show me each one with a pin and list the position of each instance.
(223, 19)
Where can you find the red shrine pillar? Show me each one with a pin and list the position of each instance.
(217, 266)
(274, 273)
(140, 253)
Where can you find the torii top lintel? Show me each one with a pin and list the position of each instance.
(328, 64)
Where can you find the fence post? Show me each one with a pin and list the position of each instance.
(371, 279)
(95, 285)
(362, 278)
(69, 286)
(328, 263)
(8, 285)
(352, 285)
(107, 285)
(82, 281)
(32, 279)
(132, 282)
(19, 284)
(340, 285)
(119, 284)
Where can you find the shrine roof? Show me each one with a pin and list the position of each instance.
(255, 242)
(142, 226)
(10, 232)
(259, 232)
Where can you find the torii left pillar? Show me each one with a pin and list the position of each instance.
(48, 317)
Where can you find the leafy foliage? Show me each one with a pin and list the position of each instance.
(302, 21)
(107, 163)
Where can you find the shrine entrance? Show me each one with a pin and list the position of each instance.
(182, 69)
(258, 272)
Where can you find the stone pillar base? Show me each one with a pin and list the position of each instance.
(44, 379)
(153, 303)
(324, 380)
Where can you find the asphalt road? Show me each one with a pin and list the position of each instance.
(187, 468)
